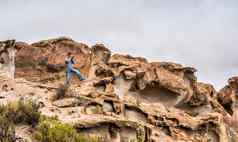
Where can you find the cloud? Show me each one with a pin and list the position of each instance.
(199, 33)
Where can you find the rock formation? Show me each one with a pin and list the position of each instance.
(124, 98)
(7, 58)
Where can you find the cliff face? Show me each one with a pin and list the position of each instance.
(124, 98)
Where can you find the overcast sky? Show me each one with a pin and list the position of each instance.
(198, 33)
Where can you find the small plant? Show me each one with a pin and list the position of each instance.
(61, 92)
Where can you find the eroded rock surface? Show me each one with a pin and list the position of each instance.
(124, 98)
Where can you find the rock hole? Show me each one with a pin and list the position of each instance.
(100, 132)
(157, 94)
(212, 136)
(108, 106)
(128, 134)
(122, 86)
(196, 111)
(114, 132)
(93, 108)
(135, 114)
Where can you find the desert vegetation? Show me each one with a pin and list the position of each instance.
(46, 129)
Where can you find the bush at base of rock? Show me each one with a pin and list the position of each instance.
(55, 131)
(21, 112)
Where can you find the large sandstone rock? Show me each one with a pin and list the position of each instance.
(125, 98)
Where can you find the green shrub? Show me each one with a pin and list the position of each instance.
(7, 130)
(21, 112)
(55, 131)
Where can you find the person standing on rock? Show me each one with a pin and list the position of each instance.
(69, 61)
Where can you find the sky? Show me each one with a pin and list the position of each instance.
(198, 33)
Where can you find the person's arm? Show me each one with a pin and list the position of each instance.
(72, 60)
(66, 61)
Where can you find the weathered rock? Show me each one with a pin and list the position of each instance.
(101, 53)
(68, 102)
(227, 95)
(41, 58)
(7, 58)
